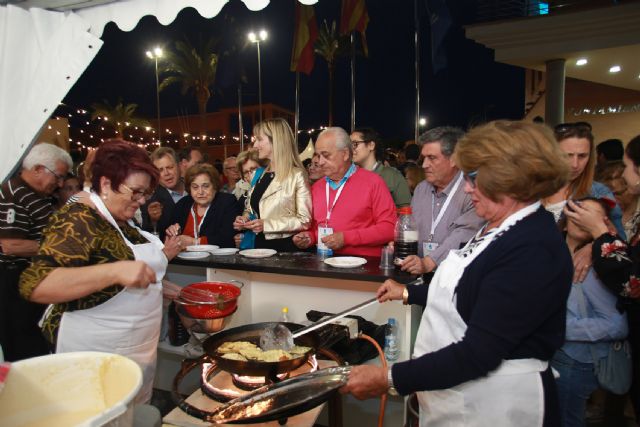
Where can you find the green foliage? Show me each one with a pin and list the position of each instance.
(119, 116)
(193, 68)
(330, 44)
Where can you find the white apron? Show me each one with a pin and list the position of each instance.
(511, 395)
(127, 324)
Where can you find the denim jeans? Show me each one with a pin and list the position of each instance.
(576, 383)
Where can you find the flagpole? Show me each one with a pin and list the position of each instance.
(353, 82)
(240, 127)
(416, 18)
(296, 120)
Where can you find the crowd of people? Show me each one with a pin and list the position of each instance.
(531, 263)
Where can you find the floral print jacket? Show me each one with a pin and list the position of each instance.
(618, 266)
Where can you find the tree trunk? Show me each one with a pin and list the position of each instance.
(202, 98)
(331, 92)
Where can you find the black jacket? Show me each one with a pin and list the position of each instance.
(217, 225)
(163, 196)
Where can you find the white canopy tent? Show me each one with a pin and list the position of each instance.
(43, 52)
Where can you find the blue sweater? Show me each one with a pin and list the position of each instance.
(512, 298)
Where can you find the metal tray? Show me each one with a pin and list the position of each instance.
(283, 399)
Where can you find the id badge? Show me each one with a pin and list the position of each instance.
(428, 247)
(323, 232)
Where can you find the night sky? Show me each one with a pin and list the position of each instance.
(470, 90)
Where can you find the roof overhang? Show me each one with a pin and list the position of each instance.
(605, 36)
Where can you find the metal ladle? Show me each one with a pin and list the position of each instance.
(278, 337)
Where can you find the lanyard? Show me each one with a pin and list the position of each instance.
(196, 226)
(436, 221)
(340, 187)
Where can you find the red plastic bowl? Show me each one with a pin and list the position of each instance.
(201, 306)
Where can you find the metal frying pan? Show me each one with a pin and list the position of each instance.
(252, 333)
(253, 368)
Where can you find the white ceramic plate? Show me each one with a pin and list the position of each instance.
(224, 251)
(345, 261)
(202, 248)
(193, 255)
(258, 253)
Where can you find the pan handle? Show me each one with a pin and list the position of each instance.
(187, 366)
(236, 281)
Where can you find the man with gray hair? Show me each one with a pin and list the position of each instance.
(25, 207)
(442, 211)
(353, 212)
(157, 212)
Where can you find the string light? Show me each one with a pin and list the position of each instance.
(80, 127)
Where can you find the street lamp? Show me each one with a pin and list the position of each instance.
(423, 121)
(156, 54)
(257, 38)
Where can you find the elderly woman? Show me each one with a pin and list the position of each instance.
(618, 263)
(248, 163)
(280, 200)
(495, 310)
(98, 271)
(206, 215)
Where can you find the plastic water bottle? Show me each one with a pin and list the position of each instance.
(284, 314)
(406, 236)
(391, 340)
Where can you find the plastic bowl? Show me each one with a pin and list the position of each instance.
(220, 299)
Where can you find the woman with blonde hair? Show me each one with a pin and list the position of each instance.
(279, 204)
(577, 144)
(495, 310)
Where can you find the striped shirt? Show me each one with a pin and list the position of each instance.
(23, 214)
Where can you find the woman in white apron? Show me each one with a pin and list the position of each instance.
(101, 273)
(495, 310)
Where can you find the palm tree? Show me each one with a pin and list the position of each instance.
(194, 69)
(119, 116)
(331, 45)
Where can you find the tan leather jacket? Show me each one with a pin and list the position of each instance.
(285, 206)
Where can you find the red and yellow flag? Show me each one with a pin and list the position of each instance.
(355, 17)
(304, 37)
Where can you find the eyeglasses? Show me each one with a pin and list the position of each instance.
(136, 195)
(355, 144)
(249, 171)
(470, 178)
(566, 127)
(58, 177)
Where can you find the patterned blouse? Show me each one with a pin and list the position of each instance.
(77, 235)
(618, 265)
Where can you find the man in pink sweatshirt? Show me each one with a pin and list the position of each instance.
(353, 212)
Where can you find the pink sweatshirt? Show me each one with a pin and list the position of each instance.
(364, 212)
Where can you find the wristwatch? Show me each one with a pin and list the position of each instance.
(405, 295)
(392, 390)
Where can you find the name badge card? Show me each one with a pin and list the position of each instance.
(323, 232)
(428, 247)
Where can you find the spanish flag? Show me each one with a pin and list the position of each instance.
(355, 17)
(306, 33)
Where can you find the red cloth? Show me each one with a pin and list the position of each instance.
(189, 227)
(365, 213)
(304, 38)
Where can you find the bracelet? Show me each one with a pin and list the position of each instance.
(405, 296)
